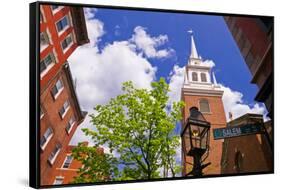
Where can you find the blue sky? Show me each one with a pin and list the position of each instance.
(143, 46)
(212, 38)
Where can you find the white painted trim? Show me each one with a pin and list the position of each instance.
(68, 47)
(68, 169)
(54, 158)
(65, 28)
(58, 93)
(66, 110)
(46, 70)
(59, 178)
(65, 161)
(68, 131)
(43, 14)
(56, 10)
(47, 141)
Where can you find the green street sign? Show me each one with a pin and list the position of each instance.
(228, 132)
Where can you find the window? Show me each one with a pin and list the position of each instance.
(46, 138)
(246, 47)
(54, 154)
(41, 113)
(47, 63)
(204, 106)
(66, 42)
(67, 161)
(70, 124)
(238, 162)
(64, 109)
(41, 17)
(194, 76)
(58, 180)
(54, 7)
(62, 24)
(203, 77)
(44, 40)
(57, 88)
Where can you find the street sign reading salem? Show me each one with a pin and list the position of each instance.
(229, 132)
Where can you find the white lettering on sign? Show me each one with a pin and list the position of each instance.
(231, 132)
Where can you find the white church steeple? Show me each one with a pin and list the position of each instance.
(198, 72)
(193, 53)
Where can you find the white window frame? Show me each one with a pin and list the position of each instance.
(71, 125)
(49, 66)
(41, 111)
(59, 90)
(69, 45)
(65, 109)
(65, 28)
(58, 178)
(46, 35)
(55, 156)
(57, 10)
(65, 161)
(47, 140)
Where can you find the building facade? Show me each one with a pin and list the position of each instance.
(253, 36)
(249, 153)
(67, 168)
(202, 91)
(62, 30)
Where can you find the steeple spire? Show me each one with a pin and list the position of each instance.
(193, 53)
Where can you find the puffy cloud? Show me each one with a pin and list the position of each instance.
(209, 63)
(99, 73)
(233, 102)
(95, 27)
(176, 83)
(148, 44)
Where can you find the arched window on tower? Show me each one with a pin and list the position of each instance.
(204, 106)
(194, 76)
(203, 77)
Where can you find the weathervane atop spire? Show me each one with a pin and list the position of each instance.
(193, 53)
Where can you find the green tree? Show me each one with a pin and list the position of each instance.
(139, 126)
(97, 165)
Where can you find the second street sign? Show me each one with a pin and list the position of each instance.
(228, 132)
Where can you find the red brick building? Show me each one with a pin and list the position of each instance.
(68, 166)
(253, 36)
(62, 30)
(249, 153)
(200, 91)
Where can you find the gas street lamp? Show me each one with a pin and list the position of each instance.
(195, 138)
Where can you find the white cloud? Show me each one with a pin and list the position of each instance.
(233, 102)
(95, 27)
(100, 72)
(176, 83)
(209, 63)
(148, 44)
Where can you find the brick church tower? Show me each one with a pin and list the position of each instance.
(202, 91)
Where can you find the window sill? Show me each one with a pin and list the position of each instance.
(67, 48)
(63, 115)
(46, 143)
(54, 158)
(57, 94)
(57, 10)
(69, 131)
(42, 74)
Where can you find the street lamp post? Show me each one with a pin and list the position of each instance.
(196, 137)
